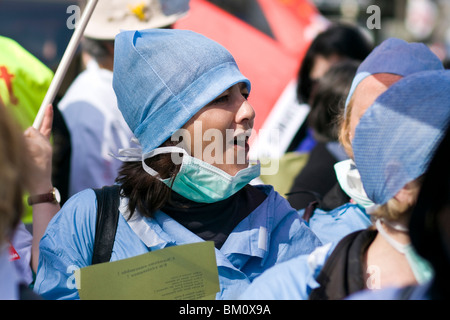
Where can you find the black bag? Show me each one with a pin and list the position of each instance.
(108, 199)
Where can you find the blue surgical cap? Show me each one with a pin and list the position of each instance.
(396, 137)
(397, 57)
(162, 77)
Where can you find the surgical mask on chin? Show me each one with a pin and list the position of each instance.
(350, 181)
(200, 181)
(420, 267)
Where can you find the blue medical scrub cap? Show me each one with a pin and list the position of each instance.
(396, 137)
(397, 57)
(162, 77)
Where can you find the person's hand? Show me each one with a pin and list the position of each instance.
(40, 151)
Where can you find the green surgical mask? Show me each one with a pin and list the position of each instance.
(421, 268)
(200, 181)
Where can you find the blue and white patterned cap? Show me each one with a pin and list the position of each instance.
(163, 77)
(397, 57)
(396, 137)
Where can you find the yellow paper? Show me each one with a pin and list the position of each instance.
(186, 272)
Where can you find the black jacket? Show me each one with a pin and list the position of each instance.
(343, 272)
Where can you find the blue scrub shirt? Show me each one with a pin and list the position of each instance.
(271, 234)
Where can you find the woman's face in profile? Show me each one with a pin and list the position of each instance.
(365, 95)
(219, 132)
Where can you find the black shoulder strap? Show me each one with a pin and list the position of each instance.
(332, 277)
(107, 218)
(309, 210)
(26, 293)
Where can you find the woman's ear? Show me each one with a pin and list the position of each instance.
(409, 193)
(403, 196)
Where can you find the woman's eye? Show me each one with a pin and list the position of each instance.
(221, 99)
(245, 95)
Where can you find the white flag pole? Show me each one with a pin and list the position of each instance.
(65, 62)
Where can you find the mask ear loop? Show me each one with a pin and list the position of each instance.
(421, 269)
(394, 243)
(395, 225)
(156, 152)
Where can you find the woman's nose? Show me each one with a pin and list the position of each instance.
(245, 113)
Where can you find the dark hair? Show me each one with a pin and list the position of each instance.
(328, 99)
(15, 168)
(343, 40)
(427, 230)
(146, 193)
(97, 48)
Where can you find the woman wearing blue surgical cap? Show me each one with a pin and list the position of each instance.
(429, 229)
(396, 113)
(185, 100)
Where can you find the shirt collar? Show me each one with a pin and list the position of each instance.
(250, 237)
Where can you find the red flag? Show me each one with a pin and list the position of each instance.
(13, 255)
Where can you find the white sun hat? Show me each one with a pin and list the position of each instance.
(112, 16)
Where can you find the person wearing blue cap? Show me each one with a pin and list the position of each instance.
(387, 63)
(340, 268)
(185, 100)
(393, 145)
(429, 227)
(89, 106)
